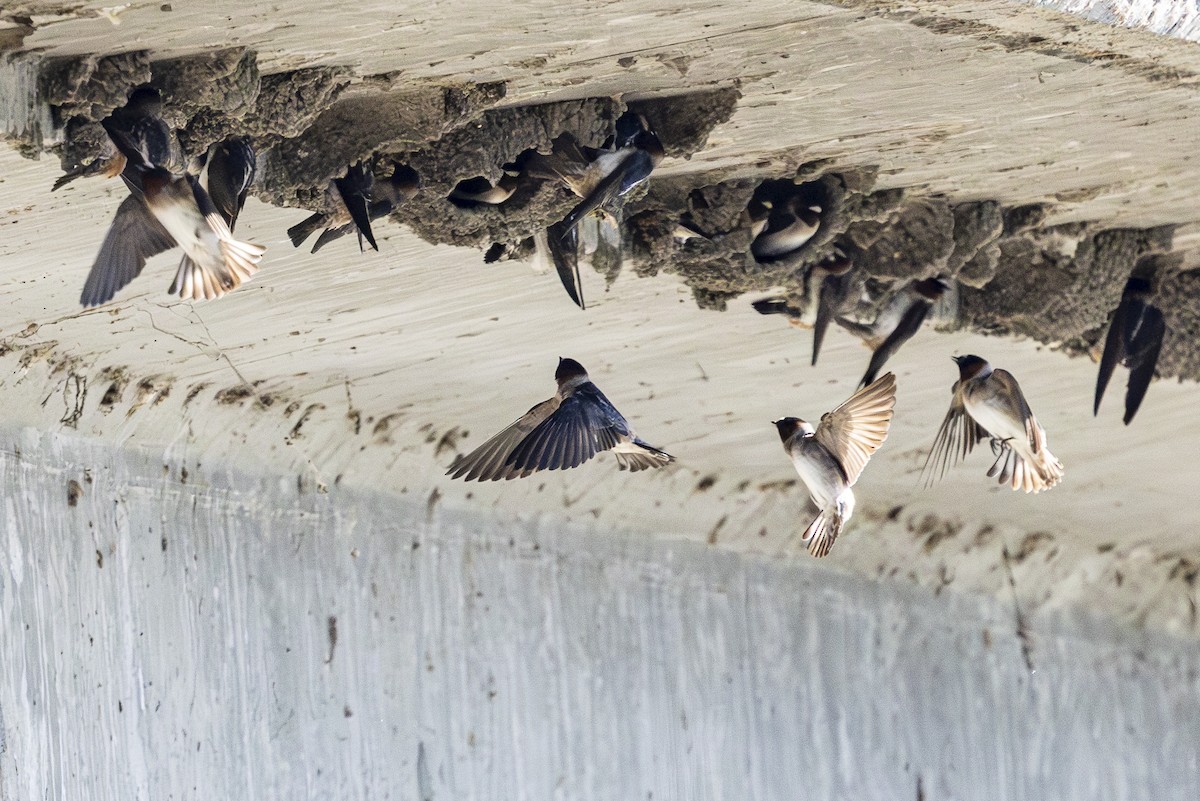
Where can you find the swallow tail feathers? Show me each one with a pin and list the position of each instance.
(239, 261)
(823, 531)
(305, 228)
(640, 455)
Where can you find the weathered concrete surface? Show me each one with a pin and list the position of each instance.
(165, 638)
(361, 377)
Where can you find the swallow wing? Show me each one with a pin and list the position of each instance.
(956, 437)
(856, 429)
(584, 424)
(633, 169)
(1008, 397)
(228, 175)
(134, 236)
(563, 244)
(304, 229)
(1114, 350)
(1144, 345)
(567, 163)
(354, 189)
(834, 291)
(489, 462)
(330, 234)
(910, 323)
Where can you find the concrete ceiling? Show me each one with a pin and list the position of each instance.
(376, 369)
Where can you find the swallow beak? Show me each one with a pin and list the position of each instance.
(956, 359)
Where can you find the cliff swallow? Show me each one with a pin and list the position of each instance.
(781, 230)
(385, 197)
(988, 403)
(897, 322)
(164, 211)
(226, 172)
(347, 202)
(560, 433)
(1135, 337)
(139, 126)
(601, 178)
(831, 457)
(828, 286)
(139, 121)
(481, 192)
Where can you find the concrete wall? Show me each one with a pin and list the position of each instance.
(175, 638)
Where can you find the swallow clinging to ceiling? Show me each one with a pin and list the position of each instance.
(828, 287)
(897, 322)
(830, 457)
(988, 403)
(347, 203)
(560, 433)
(601, 178)
(386, 196)
(1135, 337)
(140, 121)
(226, 172)
(165, 210)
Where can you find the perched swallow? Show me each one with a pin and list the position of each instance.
(605, 175)
(139, 126)
(828, 285)
(164, 211)
(601, 178)
(385, 197)
(347, 202)
(988, 403)
(226, 172)
(139, 121)
(779, 231)
(1135, 337)
(897, 322)
(831, 457)
(562, 432)
(481, 192)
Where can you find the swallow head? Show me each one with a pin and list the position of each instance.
(970, 366)
(569, 370)
(789, 426)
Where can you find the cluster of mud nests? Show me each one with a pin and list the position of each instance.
(1009, 272)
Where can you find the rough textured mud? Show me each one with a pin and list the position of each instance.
(1055, 283)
